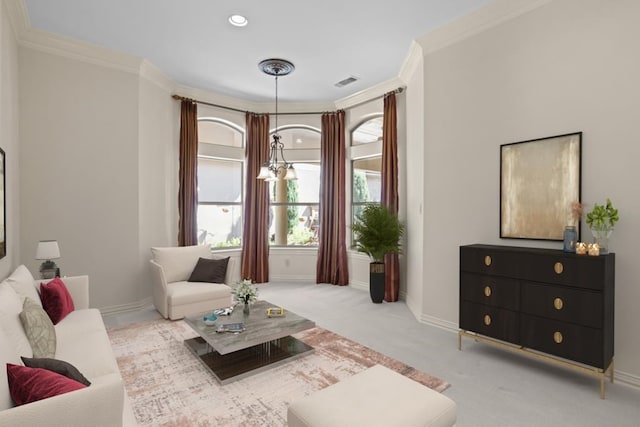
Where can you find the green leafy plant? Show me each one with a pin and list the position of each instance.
(602, 216)
(377, 232)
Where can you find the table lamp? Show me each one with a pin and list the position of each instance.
(48, 250)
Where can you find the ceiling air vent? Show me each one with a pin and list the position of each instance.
(346, 81)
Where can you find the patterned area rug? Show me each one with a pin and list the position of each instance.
(168, 386)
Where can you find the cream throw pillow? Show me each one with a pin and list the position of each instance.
(39, 328)
(10, 308)
(22, 281)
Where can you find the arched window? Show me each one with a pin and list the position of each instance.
(366, 164)
(220, 161)
(293, 219)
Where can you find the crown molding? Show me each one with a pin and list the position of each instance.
(74, 49)
(489, 16)
(18, 16)
(369, 94)
(257, 107)
(411, 62)
(155, 75)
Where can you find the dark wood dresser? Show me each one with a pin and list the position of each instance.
(547, 303)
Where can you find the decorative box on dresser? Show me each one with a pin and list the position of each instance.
(547, 303)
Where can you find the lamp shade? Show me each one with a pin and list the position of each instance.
(48, 249)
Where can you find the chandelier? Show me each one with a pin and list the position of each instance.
(277, 163)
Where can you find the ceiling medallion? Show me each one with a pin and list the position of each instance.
(276, 67)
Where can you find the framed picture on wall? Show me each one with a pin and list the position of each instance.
(3, 208)
(539, 180)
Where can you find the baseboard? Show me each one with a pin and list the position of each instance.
(125, 308)
(627, 378)
(290, 278)
(439, 323)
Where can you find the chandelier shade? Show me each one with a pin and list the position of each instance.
(277, 164)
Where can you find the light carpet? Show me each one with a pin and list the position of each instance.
(168, 385)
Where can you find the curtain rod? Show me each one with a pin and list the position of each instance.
(183, 98)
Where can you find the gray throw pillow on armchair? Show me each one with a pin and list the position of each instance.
(209, 270)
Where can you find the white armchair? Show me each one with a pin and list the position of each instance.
(173, 296)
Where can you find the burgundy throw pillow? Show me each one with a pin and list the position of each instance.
(56, 300)
(28, 385)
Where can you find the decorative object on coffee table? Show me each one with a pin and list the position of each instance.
(377, 232)
(601, 220)
(48, 250)
(245, 293)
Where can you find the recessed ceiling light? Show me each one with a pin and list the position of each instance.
(238, 20)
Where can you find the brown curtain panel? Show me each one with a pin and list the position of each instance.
(188, 175)
(389, 196)
(255, 240)
(332, 266)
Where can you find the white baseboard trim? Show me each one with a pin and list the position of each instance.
(290, 278)
(363, 286)
(439, 323)
(125, 308)
(627, 378)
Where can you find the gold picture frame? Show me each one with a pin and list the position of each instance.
(539, 180)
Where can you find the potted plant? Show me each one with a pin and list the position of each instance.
(377, 232)
(601, 220)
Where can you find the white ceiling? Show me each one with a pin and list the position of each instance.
(192, 42)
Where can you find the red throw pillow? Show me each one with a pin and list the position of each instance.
(27, 385)
(56, 300)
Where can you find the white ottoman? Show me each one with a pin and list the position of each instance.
(375, 397)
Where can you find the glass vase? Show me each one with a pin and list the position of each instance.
(601, 237)
(246, 309)
(570, 238)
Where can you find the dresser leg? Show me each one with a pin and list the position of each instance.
(602, 378)
(459, 340)
(611, 371)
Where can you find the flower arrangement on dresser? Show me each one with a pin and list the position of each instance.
(601, 220)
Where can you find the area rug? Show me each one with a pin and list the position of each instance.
(168, 386)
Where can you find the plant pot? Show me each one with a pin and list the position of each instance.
(376, 281)
(601, 237)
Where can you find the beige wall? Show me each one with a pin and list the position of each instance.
(9, 139)
(158, 149)
(79, 170)
(568, 66)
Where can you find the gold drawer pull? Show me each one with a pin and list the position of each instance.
(487, 260)
(487, 319)
(558, 303)
(487, 291)
(558, 268)
(557, 337)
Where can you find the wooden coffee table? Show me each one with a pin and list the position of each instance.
(266, 342)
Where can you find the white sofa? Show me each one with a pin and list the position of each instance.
(81, 339)
(173, 296)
